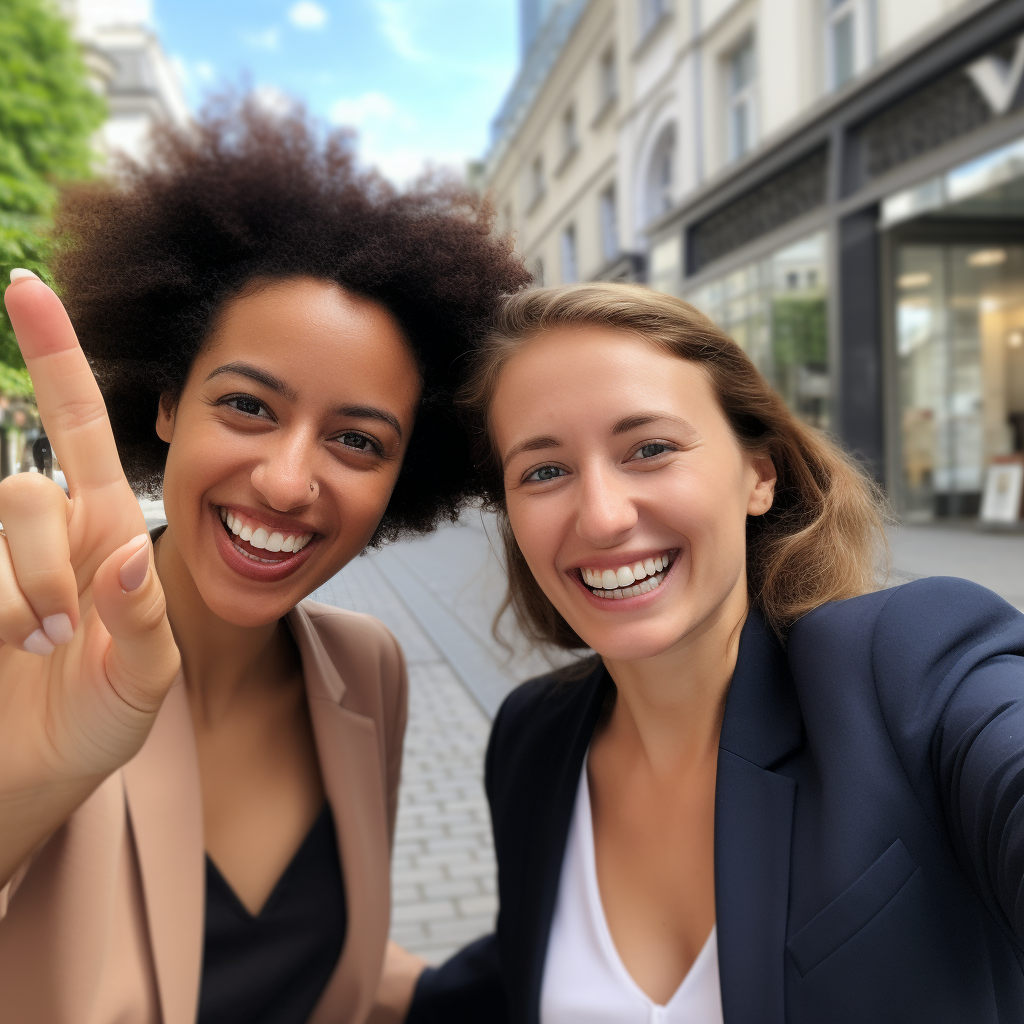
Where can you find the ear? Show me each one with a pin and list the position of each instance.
(165, 417)
(763, 493)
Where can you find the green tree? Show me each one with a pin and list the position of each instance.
(48, 114)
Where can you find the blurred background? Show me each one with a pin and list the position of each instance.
(838, 183)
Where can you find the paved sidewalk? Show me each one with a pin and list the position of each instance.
(443, 872)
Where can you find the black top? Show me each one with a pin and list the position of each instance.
(869, 821)
(273, 968)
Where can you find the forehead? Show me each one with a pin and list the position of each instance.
(561, 370)
(323, 334)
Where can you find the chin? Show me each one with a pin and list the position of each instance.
(248, 609)
(631, 645)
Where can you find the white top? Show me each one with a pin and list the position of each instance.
(585, 982)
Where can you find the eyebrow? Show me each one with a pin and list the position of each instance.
(278, 386)
(623, 426)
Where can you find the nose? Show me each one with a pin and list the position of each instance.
(606, 511)
(286, 475)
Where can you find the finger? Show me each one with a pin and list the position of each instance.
(34, 511)
(19, 626)
(70, 404)
(143, 660)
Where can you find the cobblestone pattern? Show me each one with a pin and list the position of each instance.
(443, 871)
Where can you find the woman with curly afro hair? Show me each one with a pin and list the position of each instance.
(198, 768)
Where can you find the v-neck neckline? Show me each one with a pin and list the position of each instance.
(240, 907)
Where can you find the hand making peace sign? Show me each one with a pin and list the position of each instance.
(86, 651)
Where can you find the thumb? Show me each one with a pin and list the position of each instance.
(142, 661)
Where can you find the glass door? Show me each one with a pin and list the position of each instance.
(960, 351)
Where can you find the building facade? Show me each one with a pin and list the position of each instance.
(131, 70)
(840, 185)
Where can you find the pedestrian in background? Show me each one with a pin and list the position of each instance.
(777, 793)
(198, 772)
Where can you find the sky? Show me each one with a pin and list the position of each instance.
(420, 80)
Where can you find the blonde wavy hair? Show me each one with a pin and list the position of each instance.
(823, 536)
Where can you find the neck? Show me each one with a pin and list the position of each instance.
(221, 662)
(669, 708)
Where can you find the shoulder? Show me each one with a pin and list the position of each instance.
(362, 649)
(912, 646)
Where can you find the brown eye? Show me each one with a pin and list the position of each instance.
(247, 404)
(357, 441)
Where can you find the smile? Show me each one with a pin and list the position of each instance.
(249, 536)
(631, 580)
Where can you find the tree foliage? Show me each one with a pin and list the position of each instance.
(48, 114)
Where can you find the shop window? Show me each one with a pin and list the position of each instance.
(741, 82)
(569, 266)
(609, 224)
(661, 174)
(847, 40)
(776, 311)
(959, 322)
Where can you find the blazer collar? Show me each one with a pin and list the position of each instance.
(753, 829)
(166, 811)
(165, 806)
(348, 749)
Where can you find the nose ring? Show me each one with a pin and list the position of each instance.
(311, 487)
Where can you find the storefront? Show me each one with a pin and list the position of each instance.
(872, 265)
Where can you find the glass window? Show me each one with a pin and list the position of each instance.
(609, 224)
(569, 269)
(569, 139)
(536, 180)
(776, 311)
(607, 79)
(960, 351)
(742, 79)
(651, 12)
(848, 42)
(661, 174)
(538, 272)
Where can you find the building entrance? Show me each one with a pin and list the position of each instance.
(959, 332)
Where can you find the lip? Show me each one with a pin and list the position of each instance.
(257, 571)
(627, 603)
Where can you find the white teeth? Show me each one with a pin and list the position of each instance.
(235, 525)
(274, 541)
(624, 576)
(223, 515)
(289, 542)
(625, 581)
(259, 538)
(659, 564)
(649, 566)
(609, 580)
(246, 533)
(639, 572)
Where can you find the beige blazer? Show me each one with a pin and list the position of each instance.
(105, 924)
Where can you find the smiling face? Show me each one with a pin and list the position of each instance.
(285, 444)
(626, 489)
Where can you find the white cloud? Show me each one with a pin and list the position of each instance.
(268, 39)
(395, 17)
(360, 111)
(273, 100)
(307, 14)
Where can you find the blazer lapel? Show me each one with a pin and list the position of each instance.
(349, 753)
(165, 809)
(753, 829)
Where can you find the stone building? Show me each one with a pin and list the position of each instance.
(131, 70)
(839, 183)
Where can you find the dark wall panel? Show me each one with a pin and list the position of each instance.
(860, 340)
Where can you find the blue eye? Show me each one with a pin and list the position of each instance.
(546, 473)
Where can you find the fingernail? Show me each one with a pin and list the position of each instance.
(58, 628)
(38, 643)
(133, 572)
(19, 272)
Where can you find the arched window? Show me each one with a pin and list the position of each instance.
(661, 174)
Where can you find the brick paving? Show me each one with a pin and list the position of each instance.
(443, 872)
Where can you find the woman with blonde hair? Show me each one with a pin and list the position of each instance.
(777, 793)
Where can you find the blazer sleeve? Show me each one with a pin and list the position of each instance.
(949, 665)
(396, 719)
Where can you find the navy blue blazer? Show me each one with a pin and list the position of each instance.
(869, 821)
